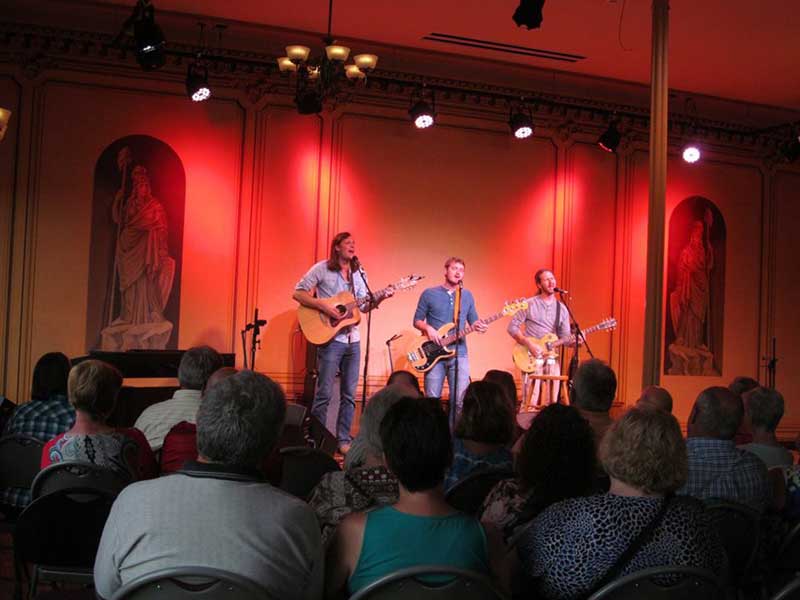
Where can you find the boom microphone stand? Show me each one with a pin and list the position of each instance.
(454, 389)
(370, 298)
(255, 342)
(573, 363)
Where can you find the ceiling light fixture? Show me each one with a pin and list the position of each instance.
(521, 124)
(529, 14)
(422, 114)
(197, 86)
(691, 153)
(609, 140)
(320, 79)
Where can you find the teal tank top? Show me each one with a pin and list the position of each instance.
(394, 540)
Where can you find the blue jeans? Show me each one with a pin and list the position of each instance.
(332, 358)
(434, 383)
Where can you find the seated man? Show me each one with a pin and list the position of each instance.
(593, 390)
(197, 365)
(763, 410)
(421, 528)
(217, 512)
(717, 469)
(655, 398)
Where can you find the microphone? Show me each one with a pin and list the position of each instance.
(560, 291)
(393, 338)
(355, 264)
(257, 324)
(461, 283)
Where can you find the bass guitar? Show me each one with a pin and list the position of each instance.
(319, 328)
(423, 353)
(526, 360)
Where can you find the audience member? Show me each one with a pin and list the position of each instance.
(655, 397)
(575, 546)
(400, 383)
(44, 417)
(421, 529)
(739, 386)
(483, 433)
(180, 444)
(93, 389)
(370, 484)
(506, 381)
(593, 390)
(763, 409)
(406, 378)
(556, 461)
(196, 366)
(717, 469)
(217, 512)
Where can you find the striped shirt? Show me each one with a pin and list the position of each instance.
(156, 420)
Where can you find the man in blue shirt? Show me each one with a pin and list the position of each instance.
(343, 353)
(436, 307)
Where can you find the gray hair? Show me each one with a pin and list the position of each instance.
(197, 365)
(239, 419)
(765, 408)
(368, 440)
(717, 413)
(594, 386)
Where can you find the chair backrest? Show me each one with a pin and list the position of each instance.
(302, 469)
(468, 494)
(663, 583)
(20, 457)
(191, 583)
(791, 591)
(63, 528)
(739, 531)
(410, 583)
(66, 475)
(295, 413)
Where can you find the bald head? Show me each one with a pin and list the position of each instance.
(655, 398)
(717, 413)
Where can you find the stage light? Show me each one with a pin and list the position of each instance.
(521, 125)
(197, 82)
(609, 140)
(148, 39)
(691, 153)
(529, 14)
(422, 115)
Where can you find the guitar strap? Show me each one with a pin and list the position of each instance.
(558, 317)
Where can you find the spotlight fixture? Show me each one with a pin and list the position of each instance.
(529, 14)
(691, 153)
(148, 39)
(521, 124)
(197, 82)
(422, 115)
(318, 80)
(610, 138)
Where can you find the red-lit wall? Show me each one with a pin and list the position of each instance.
(268, 188)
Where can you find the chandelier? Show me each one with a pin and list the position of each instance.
(320, 79)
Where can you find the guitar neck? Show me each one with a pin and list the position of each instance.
(469, 329)
(571, 338)
(361, 300)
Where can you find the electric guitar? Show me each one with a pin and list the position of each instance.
(319, 328)
(526, 360)
(423, 353)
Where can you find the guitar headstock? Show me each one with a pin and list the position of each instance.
(607, 324)
(517, 305)
(406, 283)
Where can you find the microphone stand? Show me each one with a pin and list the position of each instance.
(454, 389)
(370, 298)
(255, 326)
(389, 350)
(573, 363)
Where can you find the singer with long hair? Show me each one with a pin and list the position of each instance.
(340, 272)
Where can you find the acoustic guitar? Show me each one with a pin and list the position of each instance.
(526, 360)
(423, 353)
(319, 328)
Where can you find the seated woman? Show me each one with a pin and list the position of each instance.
(483, 433)
(421, 529)
(557, 461)
(370, 484)
(93, 387)
(574, 546)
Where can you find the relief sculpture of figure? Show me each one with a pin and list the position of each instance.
(689, 304)
(143, 266)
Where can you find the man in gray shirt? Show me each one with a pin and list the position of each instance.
(545, 314)
(218, 512)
